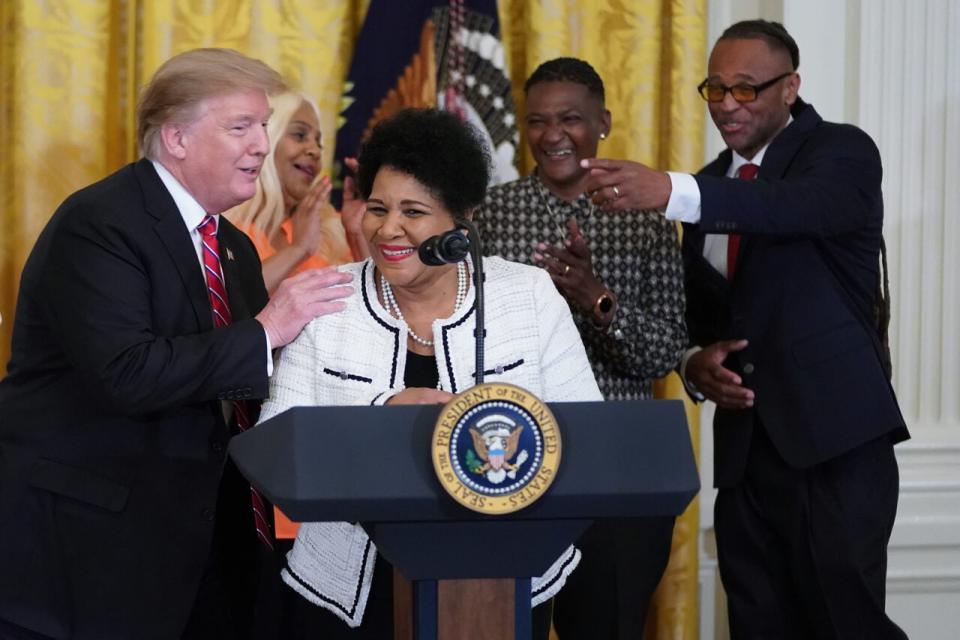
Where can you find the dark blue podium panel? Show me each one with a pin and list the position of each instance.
(373, 465)
(465, 550)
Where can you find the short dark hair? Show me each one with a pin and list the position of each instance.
(567, 70)
(445, 154)
(773, 33)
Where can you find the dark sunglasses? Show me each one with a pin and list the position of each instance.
(740, 92)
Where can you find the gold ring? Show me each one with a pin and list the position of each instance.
(616, 191)
(566, 269)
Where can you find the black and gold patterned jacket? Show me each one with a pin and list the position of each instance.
(635, 254)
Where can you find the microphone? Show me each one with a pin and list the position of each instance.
(447, 248)
(453, 246)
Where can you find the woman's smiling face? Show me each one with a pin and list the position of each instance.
(402, 213)
(297, 155)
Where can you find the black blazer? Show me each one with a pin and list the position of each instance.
(112, 438)
(803, 294)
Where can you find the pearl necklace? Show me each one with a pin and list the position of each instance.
(394, 308)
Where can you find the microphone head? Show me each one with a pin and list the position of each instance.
(447, 248)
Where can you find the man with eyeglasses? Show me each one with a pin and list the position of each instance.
(781, 246)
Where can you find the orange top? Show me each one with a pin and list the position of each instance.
(266, 250)
(334, 248)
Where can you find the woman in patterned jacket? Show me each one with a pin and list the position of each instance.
(622, 276)
(406, 337)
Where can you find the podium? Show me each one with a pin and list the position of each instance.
(372, 465)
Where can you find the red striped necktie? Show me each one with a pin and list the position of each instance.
(745, 172)
(220, 305)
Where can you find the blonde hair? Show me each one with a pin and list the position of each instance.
(266, 210)
(186, 80)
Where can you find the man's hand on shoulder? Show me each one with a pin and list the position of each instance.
(706, 372)
(300, 299)
(622, 184)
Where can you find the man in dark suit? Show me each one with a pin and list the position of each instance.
(119, 514)
(782, 281)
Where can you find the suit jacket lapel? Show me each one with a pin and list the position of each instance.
(781, 152)
(176, 238)
(227, 236)
(783, 148)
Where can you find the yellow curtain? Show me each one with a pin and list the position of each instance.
(70, 71)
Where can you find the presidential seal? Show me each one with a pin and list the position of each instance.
(496, 448)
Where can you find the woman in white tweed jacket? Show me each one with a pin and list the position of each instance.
(358, 356)
(406, 336)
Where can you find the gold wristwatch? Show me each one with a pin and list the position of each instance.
(603, 308)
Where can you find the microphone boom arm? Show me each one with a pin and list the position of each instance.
(479, 331)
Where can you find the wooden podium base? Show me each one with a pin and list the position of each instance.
(487, 609)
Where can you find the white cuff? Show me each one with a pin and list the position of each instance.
(684, 202)
(544, 587)
(691, 388)
(269, 354)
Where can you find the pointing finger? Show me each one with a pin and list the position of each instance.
(601, 163)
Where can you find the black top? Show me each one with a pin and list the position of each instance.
(421, 371)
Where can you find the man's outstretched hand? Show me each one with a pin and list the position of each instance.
(706, 372)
